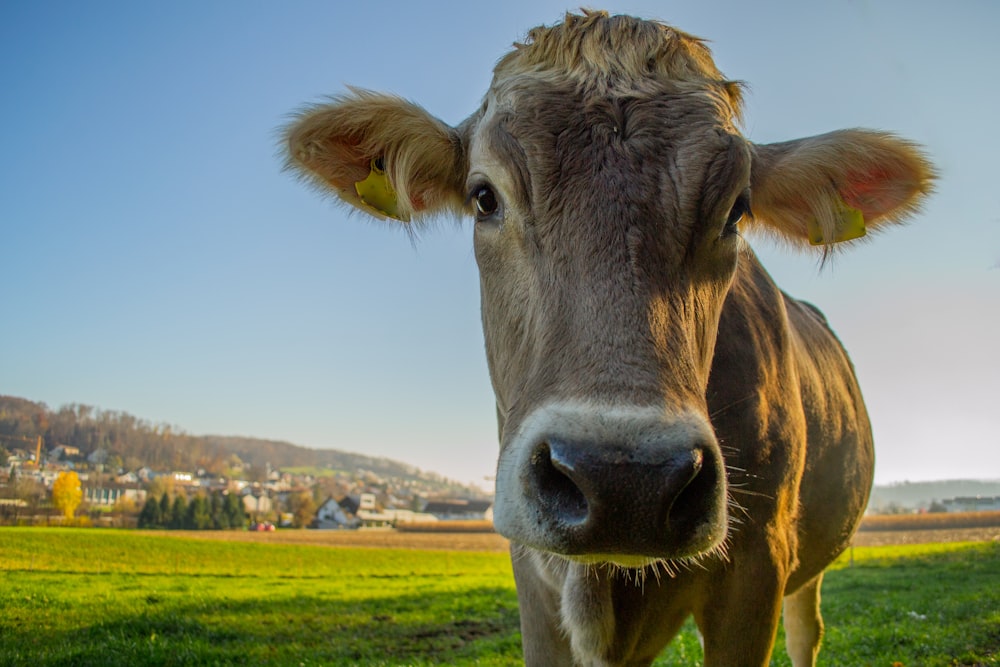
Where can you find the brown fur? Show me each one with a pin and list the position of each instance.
(678, 436)
(606, 51)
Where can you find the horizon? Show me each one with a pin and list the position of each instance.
(158, 261)
(178, 430)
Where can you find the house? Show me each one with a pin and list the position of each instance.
(256, 501)
(390, 518)
(374, 520)
(127, 478)
(460, 509)
(362, 511)
(333, 514)
(366, 501)
(63, 451)
(16, 458)
(45, 477)
(98, 457)
(185, 479)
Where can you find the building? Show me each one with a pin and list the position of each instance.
(63, 451)
(112, 494)
(460, 509)
(360, 512)
(256, 502)
(972, 504)
(332, 514)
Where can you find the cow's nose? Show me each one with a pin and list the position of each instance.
(624, 499)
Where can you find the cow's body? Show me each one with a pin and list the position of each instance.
(678, 437)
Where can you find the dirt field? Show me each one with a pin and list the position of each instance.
(878, 538)
(382, 539)
(379, 539)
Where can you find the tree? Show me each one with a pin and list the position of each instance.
(149, 517)
(220, 520)
(165, 509)
(303, 509)
(27, 489)
(114, 464)
(178, 513)
(236, 511)
(199, 513)
(160, 485)
(66, 493)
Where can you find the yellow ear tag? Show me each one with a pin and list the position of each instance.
(851, 225)
(376, 192)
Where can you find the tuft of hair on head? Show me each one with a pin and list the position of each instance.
(606, 51)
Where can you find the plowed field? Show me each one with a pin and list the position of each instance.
(389, 539)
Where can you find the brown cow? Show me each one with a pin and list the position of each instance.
(677, 436)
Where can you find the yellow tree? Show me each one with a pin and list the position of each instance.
(66, 493)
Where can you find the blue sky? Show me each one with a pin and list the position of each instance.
(155, 259)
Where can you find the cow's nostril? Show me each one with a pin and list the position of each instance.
(555, 488)
(696, 499)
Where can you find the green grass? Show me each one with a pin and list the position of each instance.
(93, 597)
(935, 604)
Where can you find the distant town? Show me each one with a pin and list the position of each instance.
(318, 499)
(117, 470)
(124, 466)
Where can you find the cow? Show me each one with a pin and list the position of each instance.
(678, 436)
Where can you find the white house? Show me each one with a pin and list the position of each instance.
(460, 509)
(331, 515)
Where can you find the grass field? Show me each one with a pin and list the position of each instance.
(93, 597)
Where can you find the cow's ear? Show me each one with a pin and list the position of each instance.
(838, 186)
(381, 154)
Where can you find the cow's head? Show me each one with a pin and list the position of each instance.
(609, 184)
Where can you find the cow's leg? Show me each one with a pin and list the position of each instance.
(542, 637)
(804, 624)
(739, 620)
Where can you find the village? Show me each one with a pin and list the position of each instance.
(317, 498)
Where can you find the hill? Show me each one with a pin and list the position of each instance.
(120, 440)
(284, 455)
(920, 495)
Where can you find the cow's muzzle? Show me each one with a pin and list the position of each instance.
(613, 487)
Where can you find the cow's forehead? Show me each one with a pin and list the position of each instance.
(616, 55)
(544, 141)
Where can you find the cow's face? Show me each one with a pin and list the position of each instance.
(609, 186)
(607, 233)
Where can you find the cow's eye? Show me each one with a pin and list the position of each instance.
(740, 210)
(486, 202)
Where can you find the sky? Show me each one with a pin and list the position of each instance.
(156, 259)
